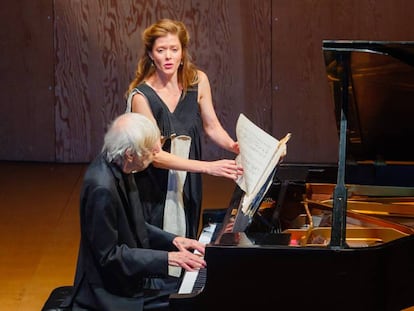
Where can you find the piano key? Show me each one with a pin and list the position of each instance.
(192, 277)
(188, 281)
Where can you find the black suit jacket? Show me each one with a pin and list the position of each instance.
(119, 251)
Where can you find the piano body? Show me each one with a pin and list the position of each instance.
(331, 237)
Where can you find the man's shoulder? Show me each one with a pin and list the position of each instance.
(99, 170)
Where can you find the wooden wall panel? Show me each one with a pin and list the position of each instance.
(26, 81)
(263, 58)
(98, 43)
(301, 99)
(231, 44)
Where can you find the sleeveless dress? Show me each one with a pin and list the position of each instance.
(153, 182)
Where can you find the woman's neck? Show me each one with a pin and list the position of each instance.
(163, 83)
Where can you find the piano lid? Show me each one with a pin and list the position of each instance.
(380, 97)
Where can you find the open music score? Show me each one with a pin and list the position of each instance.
(259, 154)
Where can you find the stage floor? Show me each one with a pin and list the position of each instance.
(39, 228)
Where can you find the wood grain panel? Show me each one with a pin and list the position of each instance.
(237, 60)
(263, 58)
(26, 81)
(301, 99)
(98, 44)
(88, 84)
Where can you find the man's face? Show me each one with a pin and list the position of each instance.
(141, 163)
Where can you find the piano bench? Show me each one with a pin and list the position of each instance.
(56, 298)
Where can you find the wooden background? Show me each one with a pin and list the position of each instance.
(65, 65)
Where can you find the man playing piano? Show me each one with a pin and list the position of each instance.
(123, 261)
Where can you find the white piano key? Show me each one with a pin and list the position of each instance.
(190, 277)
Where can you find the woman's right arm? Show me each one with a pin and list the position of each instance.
(223, 168)
(140, 105)
(166, 160)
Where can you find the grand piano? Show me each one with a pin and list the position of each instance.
(329, 237)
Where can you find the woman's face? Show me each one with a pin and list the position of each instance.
(167, 54)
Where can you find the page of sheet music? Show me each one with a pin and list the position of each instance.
(259, 154)
(256, 149)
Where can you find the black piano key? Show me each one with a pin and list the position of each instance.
(200, 280)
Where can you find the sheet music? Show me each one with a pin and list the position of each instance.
(259, 154)
(256, 149)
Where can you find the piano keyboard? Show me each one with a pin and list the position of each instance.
(194, 281)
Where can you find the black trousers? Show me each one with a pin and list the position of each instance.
(156, 296)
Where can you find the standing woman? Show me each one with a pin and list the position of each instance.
(170, 90)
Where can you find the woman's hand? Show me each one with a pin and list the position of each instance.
(224, 168)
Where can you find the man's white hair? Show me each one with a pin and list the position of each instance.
(131, 132)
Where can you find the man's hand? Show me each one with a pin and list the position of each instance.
(184, 258)
(183, 244)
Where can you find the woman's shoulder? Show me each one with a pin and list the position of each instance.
(202, 79)
(143, 89)
(201, 75)
(142, 86)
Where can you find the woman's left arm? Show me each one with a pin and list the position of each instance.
(211, 123)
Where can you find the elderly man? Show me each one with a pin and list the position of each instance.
(123, 261)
